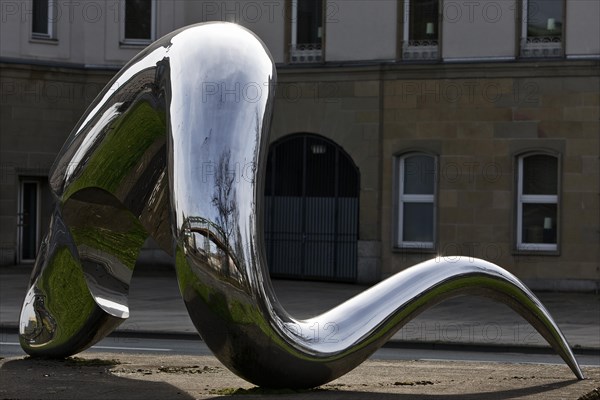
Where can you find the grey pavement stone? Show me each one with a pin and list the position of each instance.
(156, 306)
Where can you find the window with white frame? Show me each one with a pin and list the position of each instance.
(306, 31)
(542, 28)
(537, 202)
(421, 30)
(43, 19)
(416, 193)
(138, 22)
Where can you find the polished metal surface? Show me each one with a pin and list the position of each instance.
(175, 148)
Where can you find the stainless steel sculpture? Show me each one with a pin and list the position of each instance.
(174, 148)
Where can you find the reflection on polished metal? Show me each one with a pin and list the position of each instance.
(174, 148)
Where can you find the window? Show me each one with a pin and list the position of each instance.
(537, 202)
(29, 226)
(416, 214)
(542, 28)
(307, 31)
(421, 29)
(138, 23)
(43, 22)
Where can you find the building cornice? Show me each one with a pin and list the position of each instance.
(56, 65)
(441, 70)
(381, 70)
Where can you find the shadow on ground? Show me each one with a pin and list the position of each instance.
(76, 378)
(157, 378)
(334, 394)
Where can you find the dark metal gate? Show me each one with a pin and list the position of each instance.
(311, 210)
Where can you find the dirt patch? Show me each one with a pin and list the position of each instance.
(168, 369)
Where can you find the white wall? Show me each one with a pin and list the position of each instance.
(360, 30)
(265, 18)
(88, 31)
(117, 54)
(16, 39)
(10, 29)
(478, 29)
(583, 28)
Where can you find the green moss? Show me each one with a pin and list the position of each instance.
(68, 298)
(121, 150)
(236, 312)
(123, 245)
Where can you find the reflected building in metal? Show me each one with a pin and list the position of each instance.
(152, 157)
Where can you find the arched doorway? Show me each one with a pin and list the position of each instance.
(311, 213)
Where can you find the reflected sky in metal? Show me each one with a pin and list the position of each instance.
(175, 148)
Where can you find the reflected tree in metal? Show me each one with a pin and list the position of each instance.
(174, 148)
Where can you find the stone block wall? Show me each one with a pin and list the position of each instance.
(39, 105)
(475, 117)
(344, 106)
(477, 120)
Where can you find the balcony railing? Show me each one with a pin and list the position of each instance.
(302, 53)
(420, 50)
(541, 46)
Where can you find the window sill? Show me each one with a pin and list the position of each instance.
(414, 250)
(43, 40)
(532, 252)
(134, 45)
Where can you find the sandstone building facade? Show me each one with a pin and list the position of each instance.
(451, 129)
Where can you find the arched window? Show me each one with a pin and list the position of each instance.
(416, 201)
(537, 202)
(312, 191)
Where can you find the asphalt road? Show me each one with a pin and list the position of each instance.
(9, 347)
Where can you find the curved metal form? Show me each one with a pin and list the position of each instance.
(174, 148)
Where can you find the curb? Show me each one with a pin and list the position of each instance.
(391, 344)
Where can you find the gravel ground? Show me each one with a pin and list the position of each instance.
(122, 376)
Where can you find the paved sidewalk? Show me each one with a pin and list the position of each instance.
(156, 307)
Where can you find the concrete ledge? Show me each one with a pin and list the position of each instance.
(563, 285)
